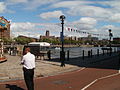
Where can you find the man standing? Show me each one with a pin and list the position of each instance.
(28, 62)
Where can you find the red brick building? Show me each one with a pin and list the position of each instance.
(4, 28)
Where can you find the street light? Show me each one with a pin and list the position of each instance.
(62, 53)
(110, 37)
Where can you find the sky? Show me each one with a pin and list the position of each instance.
(33, 17)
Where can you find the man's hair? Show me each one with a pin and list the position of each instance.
(27, 49)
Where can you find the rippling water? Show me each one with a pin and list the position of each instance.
(76, 51)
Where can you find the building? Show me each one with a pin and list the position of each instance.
(89, 38)
(47, 36)
(4, 28)
(117, 39)
(47, 33)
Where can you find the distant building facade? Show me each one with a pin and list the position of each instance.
(4, 28)
(47, 36)
(89, 38)
(47, 33)
(117, 39)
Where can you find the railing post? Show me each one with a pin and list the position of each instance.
(119, 58)
(49, 54)
(97, 52)
(103, 52)
(67, 55)
(91, 53)
(107, 52)
(110, 52)
(83, 55)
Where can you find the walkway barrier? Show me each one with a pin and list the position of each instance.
(83, 55)
(89, 53)
(49, 54)
(68, 55)
(71, 53)
(97, 52)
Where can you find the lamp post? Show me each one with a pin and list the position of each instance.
(62, 53)
(110, 37)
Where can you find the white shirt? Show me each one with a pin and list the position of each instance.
(28, 61)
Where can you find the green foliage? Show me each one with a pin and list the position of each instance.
(116, 42)
(22, 40)
(7, 41)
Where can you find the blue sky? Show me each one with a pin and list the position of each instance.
(33, 17)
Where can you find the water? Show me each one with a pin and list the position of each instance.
(76, 51)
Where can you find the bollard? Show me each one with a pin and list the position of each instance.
(67, 55)
(88, 53)
(49, 54)
(62, 58)
(91, 53)
(83, 54)
(110, 52)
(98, 52)
(107, 52)
(114, 50)
(103, 52)
(119, 58)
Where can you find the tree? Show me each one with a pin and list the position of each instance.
(22, 40)
(7, 40)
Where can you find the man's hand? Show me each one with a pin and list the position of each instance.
(21, 63)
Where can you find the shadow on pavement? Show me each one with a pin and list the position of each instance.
(102, 62)
(3, 61)
(13, 87)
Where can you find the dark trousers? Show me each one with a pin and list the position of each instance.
(28, 76)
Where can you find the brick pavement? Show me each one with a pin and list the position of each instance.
(84, 77)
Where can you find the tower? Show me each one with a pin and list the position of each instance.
(47, 33)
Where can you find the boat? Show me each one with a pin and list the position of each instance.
(37, 47)
(57, 48)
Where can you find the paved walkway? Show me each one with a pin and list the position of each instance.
(97, 73)
(12, 70)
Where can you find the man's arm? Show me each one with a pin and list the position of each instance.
(22, 60)
(34, 63)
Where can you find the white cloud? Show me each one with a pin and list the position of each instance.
(115, 30)
(85, 23)
(88, 20)
(33, 4)
(112, 27)
(2, 7)
(69, 4)
(34, 29)
(85, 8)
(17, 1)
(91, 11)
(113, 7)
(37, 29)
(49, 15)
(22, 26)
(22, 29)
(115, 18)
